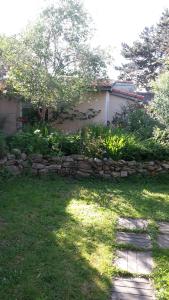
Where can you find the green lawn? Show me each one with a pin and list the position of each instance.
(58, 235)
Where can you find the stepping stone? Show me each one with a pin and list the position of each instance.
(163, 241)
(135, 239)
(132, 289)
(163, 227)
(134, 261)
(129, 223)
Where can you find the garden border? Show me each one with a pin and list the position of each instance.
(80, 166)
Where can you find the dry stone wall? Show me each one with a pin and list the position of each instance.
(79, 166)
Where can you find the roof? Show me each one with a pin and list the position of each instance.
(124, 89)
(104, 85)
(126, 94)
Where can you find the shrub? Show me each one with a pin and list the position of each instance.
(136, 119)
(92, 141)
(29, 142)
(160, 104)
(161, 135)
(70, 144)
(122, 145)
(156, 150)
(114, 146)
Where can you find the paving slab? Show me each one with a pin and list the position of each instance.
(134, 261)
(135, 239)
(163, 241)
(129, 223)
(132, 288)
(163, 227)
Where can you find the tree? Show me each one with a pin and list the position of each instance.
(147, 56)
(51, 62)
(160, 104)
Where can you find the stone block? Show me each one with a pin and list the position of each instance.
(132, 289)
(38, 166)
(36, 157)
(23, 156)
(129, 223)
(135, 261)
(123, 173)
(163, 227)
(163, 241)
(14, 170)
(135, 239)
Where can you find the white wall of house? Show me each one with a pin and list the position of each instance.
(96, 102)
(104, 101)
(115, 105)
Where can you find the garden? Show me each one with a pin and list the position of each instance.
(135, 134)
(58, 235)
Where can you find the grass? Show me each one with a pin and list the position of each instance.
(58, 235)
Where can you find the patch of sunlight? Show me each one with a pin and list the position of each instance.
(123, 207)
(97, 260)
(90, 231)
(156, 195)
(91, 214)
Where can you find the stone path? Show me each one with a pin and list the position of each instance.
(135, 239)
(136, 262)
(129, 223)
(163, 227)
(163, 241)
(163, 237)
(132, 289)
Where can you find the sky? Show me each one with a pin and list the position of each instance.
(115, 21)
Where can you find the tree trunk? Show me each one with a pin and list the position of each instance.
(42, 113)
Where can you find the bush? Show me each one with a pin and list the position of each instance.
(137, 120)
(30, 142)
(70, 144)
(160, 104)
(161, 135)
(92, 141)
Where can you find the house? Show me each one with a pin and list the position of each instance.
(101, 106)
(10, 111)
(97, 107)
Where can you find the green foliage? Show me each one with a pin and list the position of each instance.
(30, 115)
(146, 58)
(52, 63)
(160, 105)
(161, 135)
(137, 120)
(29, 143)
(92, 141)
(155, 150)
(114, 145)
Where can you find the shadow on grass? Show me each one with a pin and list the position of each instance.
(46, 249)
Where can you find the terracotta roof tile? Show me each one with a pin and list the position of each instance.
(133, 95)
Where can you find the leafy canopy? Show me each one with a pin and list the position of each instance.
(160, 103)
(51, 62)
(146, 57)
